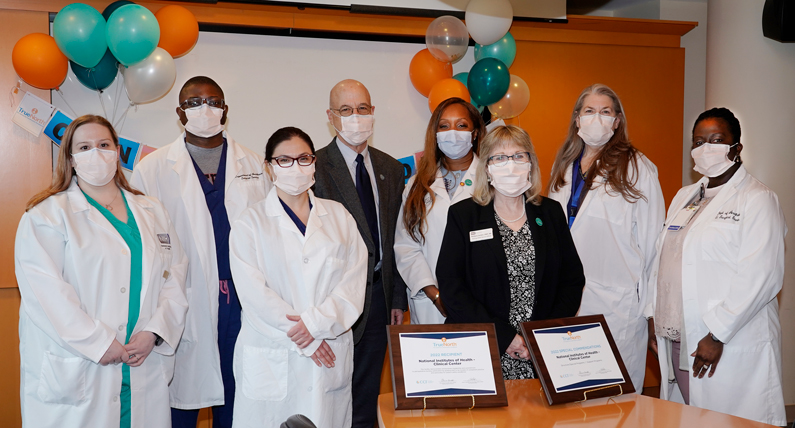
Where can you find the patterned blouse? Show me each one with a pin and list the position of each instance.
(521, 255)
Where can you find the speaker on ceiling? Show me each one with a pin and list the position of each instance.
(778, 20)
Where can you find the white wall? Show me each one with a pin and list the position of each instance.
(755, 78)
(695, 44)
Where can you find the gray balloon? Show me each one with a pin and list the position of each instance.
(150, 79)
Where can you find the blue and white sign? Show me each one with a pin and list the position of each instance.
(452, 363)
(578, 357)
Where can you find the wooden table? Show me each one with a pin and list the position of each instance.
(528, 408)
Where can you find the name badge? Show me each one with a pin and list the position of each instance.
(683, 218)
(481, 235)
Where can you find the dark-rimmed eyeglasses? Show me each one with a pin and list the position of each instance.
(194, 102)
(287, 161)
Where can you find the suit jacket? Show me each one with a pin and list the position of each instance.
(333, 181)
(473, 276)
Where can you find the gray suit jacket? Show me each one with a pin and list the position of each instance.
(333, 181)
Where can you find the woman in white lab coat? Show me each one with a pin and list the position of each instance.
(301, 267)
(445, 175)
(101, 275)
(719, 267)
(615, 208)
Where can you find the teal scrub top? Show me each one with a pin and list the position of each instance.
(132, 237)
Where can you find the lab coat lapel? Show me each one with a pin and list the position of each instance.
(142, 212)
(438, 187)
(233, 162)
(79, 203)
(730, 188)
(465, 191)
(196, 208)
(383, 194)
(314, 223)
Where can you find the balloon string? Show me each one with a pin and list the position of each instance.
(66, 102)
(119, 84)
(122, 119)
(99, 92)
(13, 91)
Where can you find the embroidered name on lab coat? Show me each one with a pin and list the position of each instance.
(728, 215)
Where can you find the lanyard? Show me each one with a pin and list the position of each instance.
(578, 191)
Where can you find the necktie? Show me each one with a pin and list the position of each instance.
(365, 190)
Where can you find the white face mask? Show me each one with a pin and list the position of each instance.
(96, 167)
(596, 129)
(294, 180)
(511, 179)
(204, 121)
(454, 144)
(712, 160)
(356, 128)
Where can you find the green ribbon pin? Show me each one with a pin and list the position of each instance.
(468, 182)
(539, 222)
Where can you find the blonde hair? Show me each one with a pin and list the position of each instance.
(483, 193)
(617, 160)
(62, 176)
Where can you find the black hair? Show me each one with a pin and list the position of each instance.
(283, 135)
(200, 80)
(724, 114)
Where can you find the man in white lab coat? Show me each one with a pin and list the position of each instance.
(205, 180)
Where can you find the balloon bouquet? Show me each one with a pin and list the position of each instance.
(488, 82)
(125, 37)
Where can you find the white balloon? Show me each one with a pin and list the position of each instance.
(447, 39)
(150, 79)
(488, 20)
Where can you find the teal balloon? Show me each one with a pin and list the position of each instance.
(113, 6)
(132, 33)
(488, 81)
(100, 76)
(79, 32)
(462, 77)
(503, 50)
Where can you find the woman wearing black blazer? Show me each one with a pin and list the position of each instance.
(507, 256)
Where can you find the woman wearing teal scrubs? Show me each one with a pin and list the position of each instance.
(101, 275)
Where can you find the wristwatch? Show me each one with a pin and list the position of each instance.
(158, 339)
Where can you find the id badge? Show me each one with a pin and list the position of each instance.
(683, 218)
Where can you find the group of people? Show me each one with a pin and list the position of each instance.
(262, 287)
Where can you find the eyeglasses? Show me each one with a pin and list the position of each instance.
(198, 101)
(346, 111)
(501, 160)
(287, 161)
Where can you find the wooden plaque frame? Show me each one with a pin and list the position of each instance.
(447, 402)
(543, 373)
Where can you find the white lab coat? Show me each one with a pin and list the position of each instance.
(168, 174)
(615, 240)
(416, 262)
(733, 268)
(320, 276)
(73, 271)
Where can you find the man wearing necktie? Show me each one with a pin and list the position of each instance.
(369, 183)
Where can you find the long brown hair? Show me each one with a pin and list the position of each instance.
(62, 176)
(617, 161)
(415, 212)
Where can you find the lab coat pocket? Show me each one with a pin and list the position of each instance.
(719, 243)
(340, 376)
(264, 373)
(613, 302)
(63, 380)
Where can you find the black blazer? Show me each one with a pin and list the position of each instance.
(333, 181)
(473, 276)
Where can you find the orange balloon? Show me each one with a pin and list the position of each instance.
(445, 89)
(179, 30)
(39, 62)
(425, 71)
